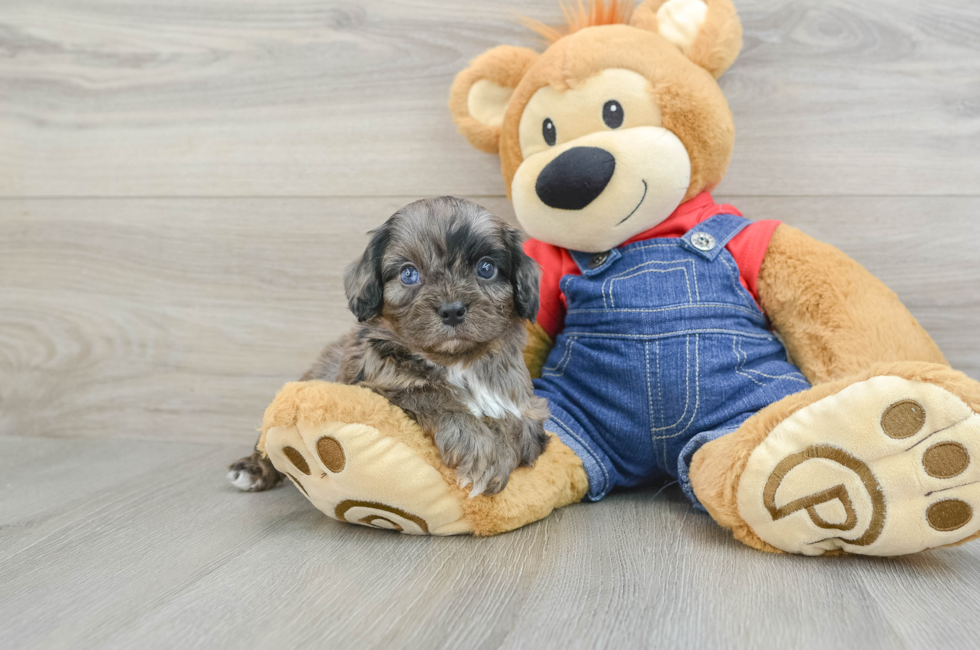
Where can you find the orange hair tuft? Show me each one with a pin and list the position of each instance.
(580, 16)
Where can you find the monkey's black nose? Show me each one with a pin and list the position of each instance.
(452, 313)
(575, 178)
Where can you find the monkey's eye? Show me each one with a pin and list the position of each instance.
(612, 114)
(486, 269)
(549, 132)
(410, 275)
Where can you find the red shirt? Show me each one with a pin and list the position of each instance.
(748, 248)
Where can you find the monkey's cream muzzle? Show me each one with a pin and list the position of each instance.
(598, 165)
(596, 192)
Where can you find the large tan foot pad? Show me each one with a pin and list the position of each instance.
(886, 467)
(353, 473)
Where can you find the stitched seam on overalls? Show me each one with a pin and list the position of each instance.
(585, 446)
(622, 275)
(740, 291)
(742, 357)
(563, 284)
(697, 390)
(560, 360)
(588, 335)
(660, 388)
(646, 354)
(660, 396)
(669, 244)
(687, 389)
(660, 392)
(751, 312)
(562, 363)
(612, 298)
(694, 272)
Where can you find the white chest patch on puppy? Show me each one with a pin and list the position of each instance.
(479, 398)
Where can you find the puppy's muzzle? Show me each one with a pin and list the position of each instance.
(575, 178)
(452, 313)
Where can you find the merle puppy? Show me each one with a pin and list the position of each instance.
(441, 293)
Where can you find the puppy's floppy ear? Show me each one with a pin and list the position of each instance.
(708, 32)
(363, 280)
(481, 93)
(525, 276)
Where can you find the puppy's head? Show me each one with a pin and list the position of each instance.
(446, 276)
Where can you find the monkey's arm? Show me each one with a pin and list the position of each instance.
(835, 318)
(537, 349)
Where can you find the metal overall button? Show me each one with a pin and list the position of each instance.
(598, 260)
(703, 241)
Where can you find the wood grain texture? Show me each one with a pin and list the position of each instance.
(164, 554)
(142, 334)
(179, 319)
(325, 98)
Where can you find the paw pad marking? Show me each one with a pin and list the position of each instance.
(839, 492)
(903, 419)
(331, 453)
(949, 515)
(371, 509)
(298, 484)
(296, 459)
(946, 460)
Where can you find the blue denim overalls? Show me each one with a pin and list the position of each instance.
(662, 351)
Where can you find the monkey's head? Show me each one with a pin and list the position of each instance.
(617, 123)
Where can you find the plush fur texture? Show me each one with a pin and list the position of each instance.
(504, 66)
(835, 318)
(841, 325)
(583, 15)
(692, 105)
(589, 186)
(537, 349)
(717, 467)
(557, 478)
(715, 48)
(718, 42)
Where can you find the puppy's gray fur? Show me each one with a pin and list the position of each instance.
(466, 385)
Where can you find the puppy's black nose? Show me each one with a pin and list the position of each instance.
(452, 313)
(575, 178)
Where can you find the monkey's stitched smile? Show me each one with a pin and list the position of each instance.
(642, 199)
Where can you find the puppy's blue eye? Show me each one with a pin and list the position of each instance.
(486, 269)
(410, 275)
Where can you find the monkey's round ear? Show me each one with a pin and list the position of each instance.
(481, 93)
(708, 32)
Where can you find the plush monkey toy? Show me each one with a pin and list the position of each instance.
(656, 344)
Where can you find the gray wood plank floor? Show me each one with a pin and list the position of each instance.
(181, 185)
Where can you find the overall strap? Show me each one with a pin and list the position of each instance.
(710, 237)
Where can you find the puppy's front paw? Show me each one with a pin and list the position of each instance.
(481, 456)
(253, 474)
(532, 442)
(488, 469)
